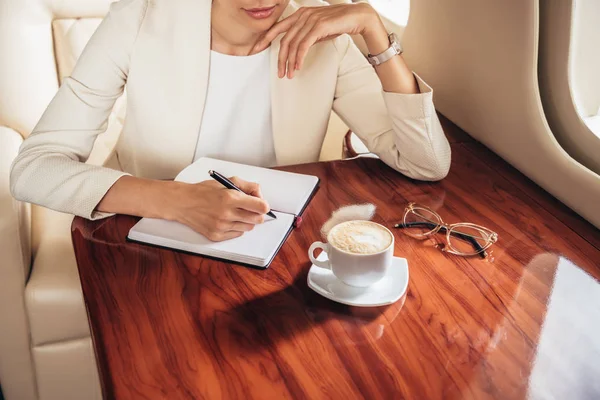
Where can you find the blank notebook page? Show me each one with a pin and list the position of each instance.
(284, 191)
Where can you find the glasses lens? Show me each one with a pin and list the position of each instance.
(468, 239)
(420, 222)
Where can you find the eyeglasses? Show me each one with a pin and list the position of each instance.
(462, 239)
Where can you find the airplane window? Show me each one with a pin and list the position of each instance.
(569, 80)
(585, 62)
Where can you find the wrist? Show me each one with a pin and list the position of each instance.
(141, 197)
(375, 35)
(166, 201)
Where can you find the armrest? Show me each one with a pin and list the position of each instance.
(15, 216)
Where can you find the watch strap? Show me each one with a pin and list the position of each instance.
(390, 52)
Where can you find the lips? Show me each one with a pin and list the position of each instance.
(260, 13)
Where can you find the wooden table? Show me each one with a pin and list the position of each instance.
(523, 323)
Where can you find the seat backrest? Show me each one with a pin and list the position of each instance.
(40, 40)
(29, 75)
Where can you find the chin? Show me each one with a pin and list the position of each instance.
(261, 26)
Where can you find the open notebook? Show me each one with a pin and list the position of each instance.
(287, 194)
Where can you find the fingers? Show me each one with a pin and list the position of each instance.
(235, 199)
(250, 188)
(306, 37)
(218, 229)
(245, 216)
(231, 225)
(296, 27)
(305, 45)
(219, 213)
(302, 30)
(283, 64)
(278, 28)
(310, 25)
(222, 229)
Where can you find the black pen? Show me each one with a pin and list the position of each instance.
(229, 185)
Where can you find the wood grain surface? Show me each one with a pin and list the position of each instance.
(522, 324)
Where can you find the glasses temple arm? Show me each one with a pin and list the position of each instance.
(431, 225)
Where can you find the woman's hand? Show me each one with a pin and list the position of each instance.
(310, 25)
(219, 213)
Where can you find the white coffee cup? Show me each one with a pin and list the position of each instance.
(355, 268)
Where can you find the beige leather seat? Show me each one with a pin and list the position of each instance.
(45, 347)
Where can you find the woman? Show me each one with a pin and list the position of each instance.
(245, 80)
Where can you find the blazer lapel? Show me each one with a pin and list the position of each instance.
(283, 96)
(196, 63)
(298, 139)
(169, 74)
(277, 119)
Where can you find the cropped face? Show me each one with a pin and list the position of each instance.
(255, 15)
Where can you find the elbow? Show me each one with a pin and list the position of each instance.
(437, 177)
(16, 171)
(21, 173)
(430, 176)
(440, 172)
(431, 171)
(437, 170)
(440, 163)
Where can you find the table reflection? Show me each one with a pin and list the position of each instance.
(566, 364)
(557, 346)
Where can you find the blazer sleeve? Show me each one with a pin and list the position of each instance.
(50, 168)
(402, 129)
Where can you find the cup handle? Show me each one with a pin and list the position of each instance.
(311, 255)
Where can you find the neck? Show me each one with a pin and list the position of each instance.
(228, 36)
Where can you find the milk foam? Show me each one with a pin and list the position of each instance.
(359, 237)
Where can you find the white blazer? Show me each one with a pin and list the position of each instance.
(159, 50)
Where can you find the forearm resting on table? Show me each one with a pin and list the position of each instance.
(141, 197)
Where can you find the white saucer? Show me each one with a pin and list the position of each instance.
(387, 291)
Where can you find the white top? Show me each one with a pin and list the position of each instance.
(236, 125)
